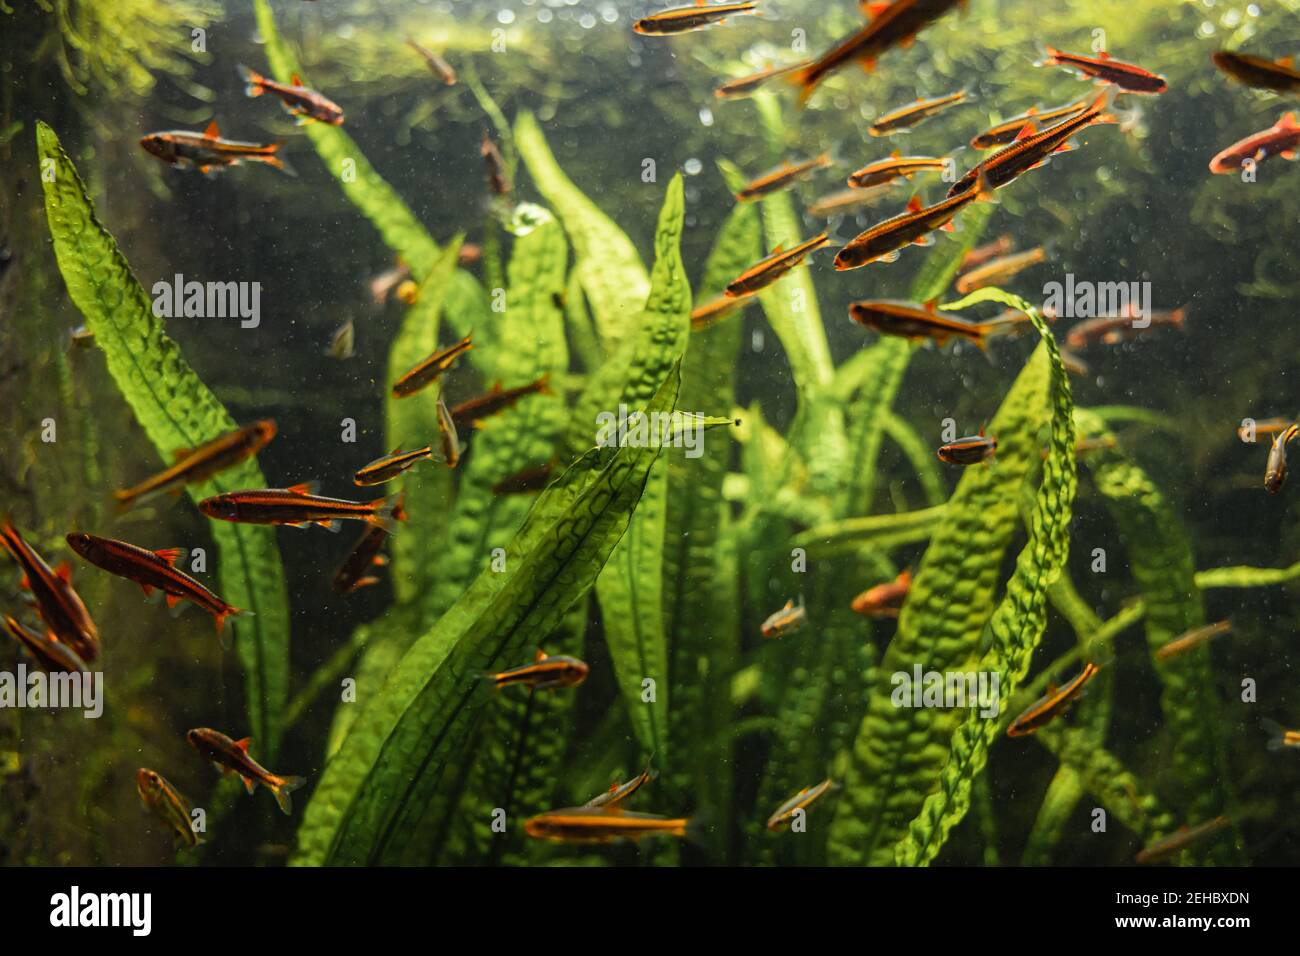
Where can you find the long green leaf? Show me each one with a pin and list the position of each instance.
(370, 805)
(176, 410)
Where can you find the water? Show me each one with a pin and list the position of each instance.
(734, 723)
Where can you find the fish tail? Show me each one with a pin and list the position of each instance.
(254, 83)
(271, 157)
(219, 618)
(286, 786)
(388, 512)
(1276, 734)
(1178, 318)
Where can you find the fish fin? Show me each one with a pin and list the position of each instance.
(252, 81)
(923, 241)
(244, 744)
(282, 790)
(868, 65)
(875, 8)
(147, 588)
(219, 618)
(296, 80)
(305, 488)
(172, 600)
(1066, 147)
(329, 524)
(379, 560)
(914, 204)
(1288, 154)
(248, 784)
(541, 655)
(182, 453)
(1026, 131)
(170, 555)
(1286, 61)
(388, 512)
(212, 131)
(949, 226)
(890, 256)
(63, 571)
(365, 582)
(1276, 733)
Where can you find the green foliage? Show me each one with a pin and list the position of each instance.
(371, 801)
(176, 411)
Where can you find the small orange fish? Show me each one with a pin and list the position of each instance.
(1104, 67)
(472, 411)
(923, 322)
(781, 177)
(1000, 246)
(789, 619)
(1193, 638)
(1275, 471)
(164, 802)
(429, 369)
(1004, 133)
(702, 316)
(436, 64)
(915, 113)
(745, 85)
(619, 792)
(800, 801)
(300, 506)
(1265, 426)
(151, 570)
(884, 241)
(208, 151)
(1000, 270)
(896, 166)
(307, 105)
(1166, 847)
(544, 673)
(231, 756)
(53, 656)
(776, 265)
(1280, 139)
(848, 199)
(970, 450)
(1113, 329)
(199, 464)
(884, 600)
(448, 436)
(389, 466)
(601, 825)
(498, 180)
(1279, 738)
(701, 16)
(1280, 76)
(355, 572)
(57, 602)
(1051, 706)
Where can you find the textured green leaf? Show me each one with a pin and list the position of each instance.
(176, 410)
(607, 262)
(1020, 618)
(899, 754)
(371, 802)
(630, 589)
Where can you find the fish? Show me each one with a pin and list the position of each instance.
(784, 175)
(1166, 847)
(1265, 426)
(469, 254)
(57, 602)
(1126, 76)
(208, 151)
(1032, 149)
(800, 801)
(766, 272)
(429, 369)
(1113, 329)
(163, 801)
(1193, 638)
(342, 342)
(913, 114)
(1073, 364)
(884, 241)
(448, 436)
(745, 85)
(534, 478)
(884, 600)
(53, 656)
(970, 450)
(619, 792)
(390, 466)
(702, 316)
(896, 166)
(837, 203)
(300, 506)
(1004, 133)
(923, 322)
(1000, 246)
(231, 756)
(546, 672)
(1053, 704)
(1280, 139)
(498, 180)
(1279, 738)
(892, 24)
(601, 825)
(1280, 76)
(436, 64)
(307, 105)
(388, 280)
(1085, 446)
(999, 270)
(355, 572)
(152, 570)
(471, 412)
(1276, 470)
(193, 465)
(701, 16)
(407, 292)
(789, 619)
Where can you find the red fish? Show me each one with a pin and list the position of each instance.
(208, 151)
(1127, 76)
(231, 756)
(307, 105)
(300, 506)
(1280, 139)
(59, 605)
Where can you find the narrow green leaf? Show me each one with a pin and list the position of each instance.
(176, 410)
